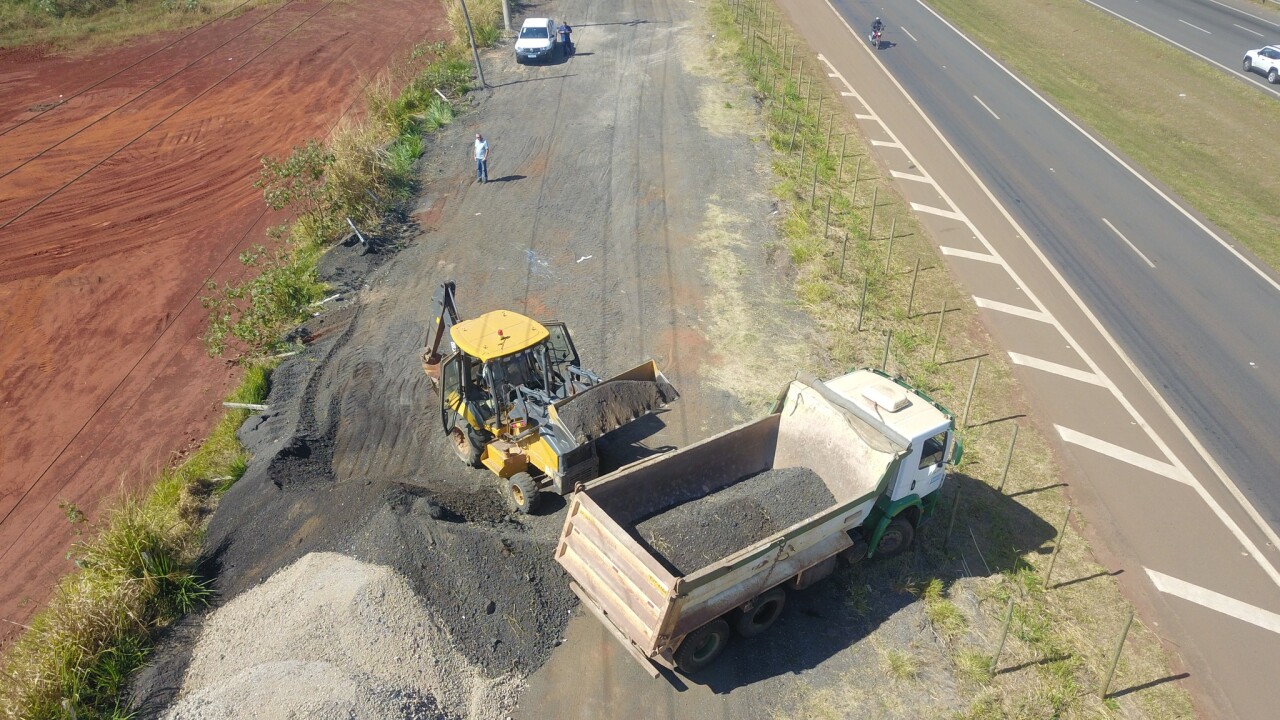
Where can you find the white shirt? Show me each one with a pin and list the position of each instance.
(482, 149)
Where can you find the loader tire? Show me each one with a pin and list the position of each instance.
(765, 609)
(702, 646)
(523, 493)
(896, 539)
(467, 444)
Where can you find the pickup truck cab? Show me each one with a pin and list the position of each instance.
(537, 41)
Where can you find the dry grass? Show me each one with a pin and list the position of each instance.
(1061, 637)
(85, 26)
(1192, 127)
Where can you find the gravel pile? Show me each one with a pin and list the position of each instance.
(612, 405)
(333, 637)
(694, 534)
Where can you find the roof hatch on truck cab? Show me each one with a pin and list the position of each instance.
(886, 396)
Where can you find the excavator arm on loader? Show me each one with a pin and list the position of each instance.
(445, 311)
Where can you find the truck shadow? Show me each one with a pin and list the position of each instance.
(992, 533)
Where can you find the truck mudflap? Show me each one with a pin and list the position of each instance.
(612, 403)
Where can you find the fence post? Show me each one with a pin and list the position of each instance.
(871, 222)
(1115, 660)
(893, 226)
(857, 175)
(969, 400)
(794, 126)
(813, 192)
(951, 522)
(937, 336)
(1004, 635)
(888, 342)
(862, 305)
(831, 125)
(818, 112)
(843, 145)
(844, 251)
(826, 233)
(1008, 458)
(911, 299)
(888, 255)
(1062, 535)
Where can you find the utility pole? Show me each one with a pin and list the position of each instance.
(472, 36)
(506, 15)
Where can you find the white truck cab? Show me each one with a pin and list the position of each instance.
(537, 41)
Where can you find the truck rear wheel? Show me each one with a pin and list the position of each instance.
(765, 609)
(897, 538)
(523, 492)
(702, 646)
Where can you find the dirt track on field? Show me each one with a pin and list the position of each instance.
(125, 185)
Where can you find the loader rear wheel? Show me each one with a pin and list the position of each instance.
(764, 610)
(523, 492)
(467, 445)
(702, 646)
(896, 539)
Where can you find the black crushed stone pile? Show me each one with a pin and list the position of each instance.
(611, 405)
(692, 535)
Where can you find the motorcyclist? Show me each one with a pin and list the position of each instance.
(877, 27)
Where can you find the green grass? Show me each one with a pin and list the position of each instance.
(1191, 126)
(86, 25)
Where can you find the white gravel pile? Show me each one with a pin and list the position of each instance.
(333, 637)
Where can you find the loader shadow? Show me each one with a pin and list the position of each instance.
(991, 534)
(632, 442)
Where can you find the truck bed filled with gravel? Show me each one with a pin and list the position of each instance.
(692, 535)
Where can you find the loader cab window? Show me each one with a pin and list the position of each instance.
(933, 450)
(516, 370)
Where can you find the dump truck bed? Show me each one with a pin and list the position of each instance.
(622, 576)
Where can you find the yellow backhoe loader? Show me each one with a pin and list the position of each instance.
(514, 398)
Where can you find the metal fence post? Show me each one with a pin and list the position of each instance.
(951, 522)
(871, 222)
(1106, 685)
(911, 299)
(1062, 535)
(840, 171)
(937, 336)
(843, 252)
(1004, 635)
(1008, 458)
(968, 401)
(862, 305)
(826, 233)
(888, 341)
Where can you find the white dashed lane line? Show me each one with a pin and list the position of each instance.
(1253, 32)
(985, 107)
(1131, 245)
(1205, 597)
(1083, 376)
(1194, 27)
(1124, 455)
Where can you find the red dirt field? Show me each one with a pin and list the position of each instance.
(126, 183)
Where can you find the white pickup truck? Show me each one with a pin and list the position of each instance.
(537, 41)
(675, 551)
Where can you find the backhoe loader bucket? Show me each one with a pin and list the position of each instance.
(615, 402)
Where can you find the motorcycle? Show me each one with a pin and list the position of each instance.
(874, 38)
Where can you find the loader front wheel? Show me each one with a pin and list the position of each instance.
(523, 492)
(702, 646)
(468, 447)
(764, 610)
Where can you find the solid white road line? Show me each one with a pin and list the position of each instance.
(1238, 10)
(886, 143)
(1204, 597)
(1052, 367)
(910, 176)
(1184, 22)
(908, 32)
(860, 116)
(1131, 245)
(936, 211)
(1124, 455)
(984, 107)
(1254, 32)
(1008, 309)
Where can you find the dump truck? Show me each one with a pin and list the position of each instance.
(514, 398)
(676, 552)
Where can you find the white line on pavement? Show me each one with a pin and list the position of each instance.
(860, 116)
(1126, 242)
(1053, 367)
(937, 211)
(1238, 10)
(1008, 309)
(1255, 32)
(1184, 22)
(984, 107)
(1264, 619)
(910, 176)
(886, 143)
(833, 74)
(908, 32)
(970, 255)
(1124, 455)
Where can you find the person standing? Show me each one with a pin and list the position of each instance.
(566, 38)
(482, 158)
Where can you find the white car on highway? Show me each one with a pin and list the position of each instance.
(1265, 61)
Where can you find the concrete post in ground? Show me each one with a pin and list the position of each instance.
(472, 37)
(506, 15)
(1053, 559)
(968, 401)
(1004, 635)
(937, 336)
(1115, 660)
(844, 144)
(1008, 458)
(871, 222)
(888, 341)
(911, 299)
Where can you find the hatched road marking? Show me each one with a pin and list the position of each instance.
(950, 214)
(909, 176)
(1053, 367)
(1204, 597)
(970, 255)
(1130, 457)
(1013, 310)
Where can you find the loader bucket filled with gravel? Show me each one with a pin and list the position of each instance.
(613, 403)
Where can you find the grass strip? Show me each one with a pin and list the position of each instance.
(850, 236)
(83, 26)
(136, 569)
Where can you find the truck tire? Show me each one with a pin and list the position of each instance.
(523, 493)
(467, 444)
(765, 609)
(702, 646)
(896, 539)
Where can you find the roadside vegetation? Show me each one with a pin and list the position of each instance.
(85, 25)
(136, 567)
(1192, 127)
(849, 236)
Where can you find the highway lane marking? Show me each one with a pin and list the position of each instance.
(970, 255)
(1083, 376)
(1008, 309)
(833, 75)
(1185, 49)
(1131, 245)
(1205, 597)
(1124, 455)
(951, 215)
(1238, 10)
(910, 176)
(886, 143)
(1184, 22)
(1232, 526)
(984, 106)
(862, 117)
(908, 32)
(1254, 32)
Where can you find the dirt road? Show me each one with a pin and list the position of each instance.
(125, 185)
